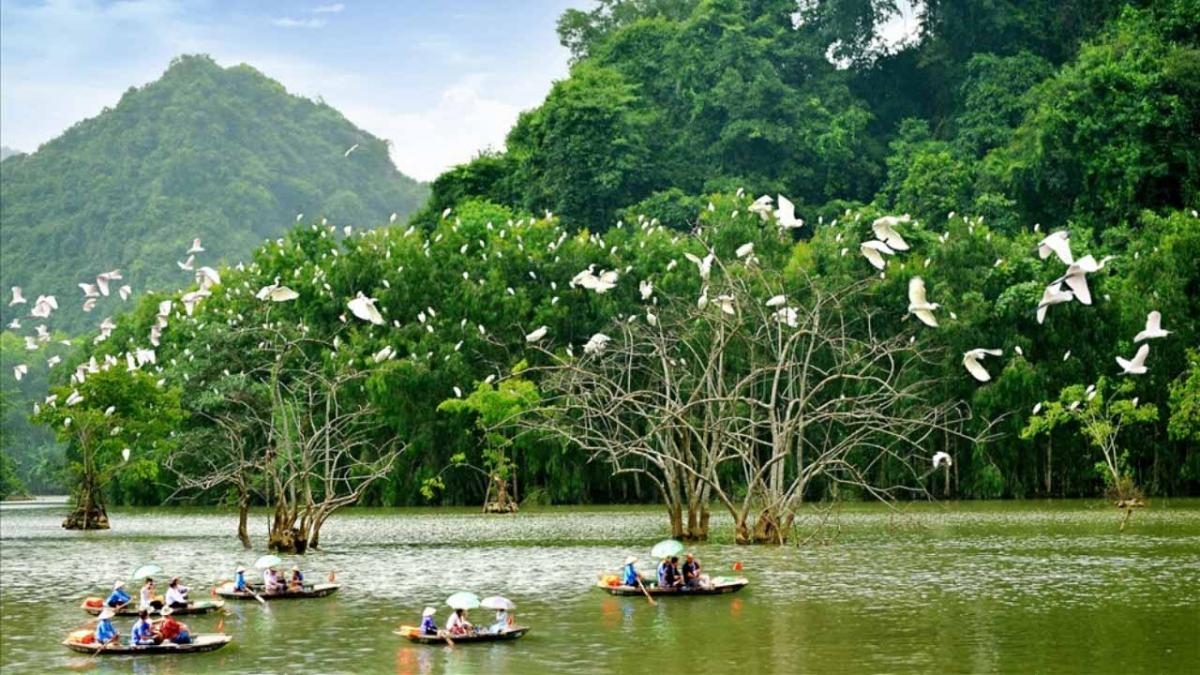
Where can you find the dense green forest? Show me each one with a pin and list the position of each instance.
(1001, 123)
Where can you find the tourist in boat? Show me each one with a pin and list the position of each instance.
(661, 572)
(296, 583)
(629, 575)
(458, 624)
(146, 597)
(428, 626)
(171, 630)
(502, 623)
(106, 632)
(239, 581)
(143, 633)
(271, 581)
(673, 577)
(177, 594)
(691, 573)
(119, 596)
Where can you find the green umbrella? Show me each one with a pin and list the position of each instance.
(148, 570)
(270, 560)
(666, 548)
(463, 600)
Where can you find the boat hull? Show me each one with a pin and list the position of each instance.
(315, 591)
(197, 607)
(414, 635)
(719, 587)
(202, 642)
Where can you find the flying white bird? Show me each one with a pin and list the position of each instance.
(874, 251)
(196, 247)
(596, 344)
(15, 324)
(105, 277)
(762, 206)
(785, 215)
(918, 305)
(725, 302)
(53, 361)
(941, 458)
(704, 265)
(350, 150)
(972, 358)
(89, 304)
(17, 297)
(1053, 295)
(19, 371)
(884, 228)
(1153, 328)
(745, 249)
(276, 293)
(187, 265)
(1059, 244)
(646, 288)
(537, 334)
(74, 398)
(89, 290)
(207, 277)
(364, 308)
(125, 292)
(190, 300)
(1138, 365)
(1076, 277)
(457, 392)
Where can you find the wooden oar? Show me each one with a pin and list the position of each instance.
(249, 589)
(646, 592)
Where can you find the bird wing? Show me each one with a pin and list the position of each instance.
(926, 317)
(973, 366)
(1079, 286)
(786, 211)
(1059, 244)
(916, 291)
(1139, 359)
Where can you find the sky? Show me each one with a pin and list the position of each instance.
(440, 79)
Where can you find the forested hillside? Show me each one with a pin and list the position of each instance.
(222, 154)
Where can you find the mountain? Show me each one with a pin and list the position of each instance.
(6, 152)
(226, 155)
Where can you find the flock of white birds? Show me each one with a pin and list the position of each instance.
(888, 242)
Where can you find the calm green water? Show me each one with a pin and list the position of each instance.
(970, 588)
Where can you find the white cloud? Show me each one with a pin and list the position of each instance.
(288, 22)
(329, 9)
(461, 122)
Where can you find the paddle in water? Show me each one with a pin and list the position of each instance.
(646, 592)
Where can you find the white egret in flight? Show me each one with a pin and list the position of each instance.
(918, 305)
(874, 251)
(1058, 243)
(1153, 328)
(364, 308)
(971, 361)
(884, 228)
(1137, 366)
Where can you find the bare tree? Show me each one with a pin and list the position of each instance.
(732, 400)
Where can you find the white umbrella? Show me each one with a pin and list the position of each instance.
(497, 602)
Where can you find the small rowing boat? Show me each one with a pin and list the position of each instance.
(718, 586)
(201, 642)
(314, 591)
(94, 606)
(414, 634)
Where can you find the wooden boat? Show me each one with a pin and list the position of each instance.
(415, 635)
(194, 607)
(719, 586)
(201, 642)
(314, 591)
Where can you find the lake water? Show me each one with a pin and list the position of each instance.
(937, 588)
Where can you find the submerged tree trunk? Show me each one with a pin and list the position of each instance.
(89, 512)
(243, 517)
(502, 503)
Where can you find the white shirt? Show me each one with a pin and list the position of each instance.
(456, 622)
(175, 595)
(145, 596)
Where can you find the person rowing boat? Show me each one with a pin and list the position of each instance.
(106, 632)
(119, 597)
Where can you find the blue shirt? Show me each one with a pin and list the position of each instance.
(629, 575)
(142, 633)
(117, 597)
(105, 631)
(428, 627)
(662, 573)
(239, 581)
